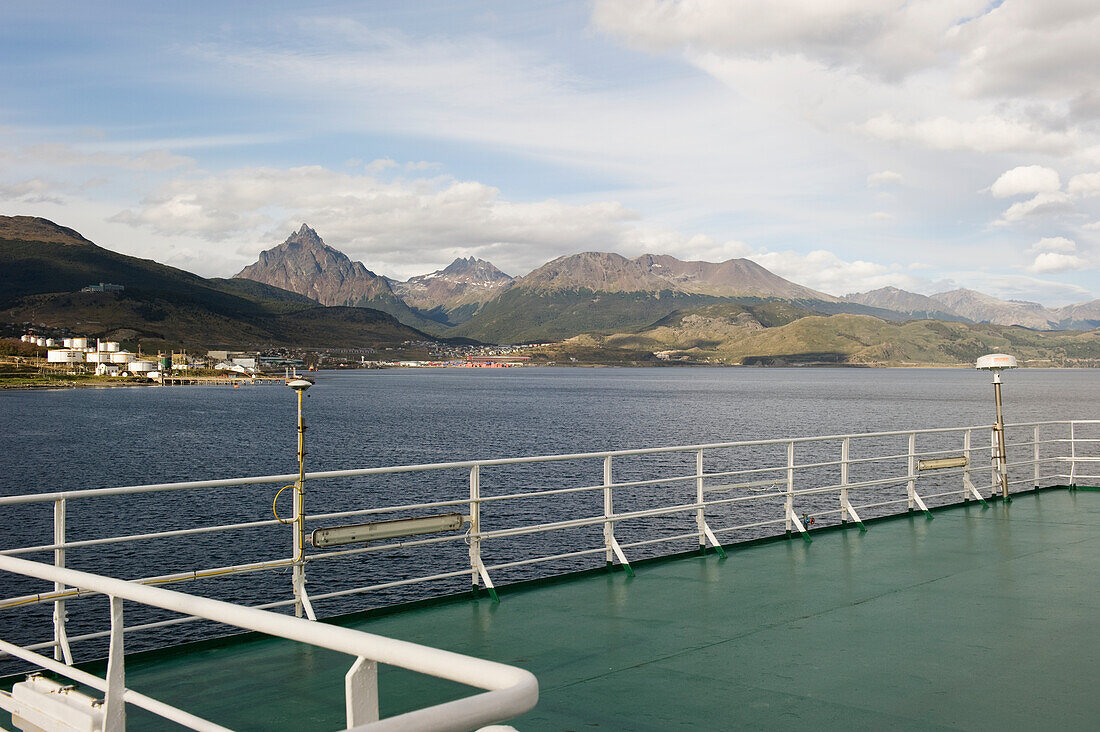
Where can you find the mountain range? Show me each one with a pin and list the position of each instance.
(615, 309)
(44, 268)
(977, 307)
(590, 291)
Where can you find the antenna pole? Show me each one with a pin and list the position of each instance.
(999, 428)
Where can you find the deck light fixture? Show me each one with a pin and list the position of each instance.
(337, 535)
(998, 362)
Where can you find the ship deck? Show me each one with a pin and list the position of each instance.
(983, 618)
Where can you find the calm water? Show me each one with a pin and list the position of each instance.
(89, 438)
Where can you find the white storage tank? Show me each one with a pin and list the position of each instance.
(67, 342)
(41, 341)
(80, 342)
(109, 346)
(50, 343)
(64, 355)
(26, 338)
(95, 357)
(142, 367)
(121, 357)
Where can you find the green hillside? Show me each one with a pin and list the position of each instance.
(778, 334)
(43, 268)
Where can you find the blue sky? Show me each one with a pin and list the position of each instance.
(845, 145)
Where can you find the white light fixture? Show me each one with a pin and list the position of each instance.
(357, 533)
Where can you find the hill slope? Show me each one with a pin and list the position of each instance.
(727, 333)
(43, 267)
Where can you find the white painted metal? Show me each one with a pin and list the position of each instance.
(361, 692)
(114, 706)
(510, 691)
(911, 467)
(62, 651)
(612, 550)
(475, 525)
(1036, 454)
(608, 511)
(1072, 455)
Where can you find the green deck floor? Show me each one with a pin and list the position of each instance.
(979, 619)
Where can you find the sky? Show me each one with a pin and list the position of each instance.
(846, 145)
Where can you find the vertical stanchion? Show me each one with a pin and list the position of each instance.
(61, 650)
(911, 472)
(845, 456)
(1035, 454)
(114, 707)
(700, 516)
(475, 524)
(966, 470)
(1072, 456)
(608, 512)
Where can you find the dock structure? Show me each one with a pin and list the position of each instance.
(871, 579)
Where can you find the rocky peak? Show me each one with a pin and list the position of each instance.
(306, 265)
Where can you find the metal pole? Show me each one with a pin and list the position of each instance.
(999, 429)
(298, 546)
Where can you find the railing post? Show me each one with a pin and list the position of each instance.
(1072, 456)
(845, 454)
(1035, 445)
(966, 471)
(789, 503)
(608, 512)
(911, 470)
(114, 707)
(700, 515)
(994, 462)
(475, 524)
(61, 650)
(361, 692)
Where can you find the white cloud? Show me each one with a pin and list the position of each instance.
(64, 155)
(1033, 49)
(29, 191)
(394, 225)
(888, 38)
(1026, 179)
(883, 178)
(1042, 204)
(825, 271)
(1053, 244)
(1085, 184)
(986, 134)
(1050, 262)
(881, 216)
(1092, 226)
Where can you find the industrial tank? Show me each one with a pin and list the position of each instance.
(142, 367)
(121, 357)
(80, 342)
(95, 357)
(64, 355)
(109, 346)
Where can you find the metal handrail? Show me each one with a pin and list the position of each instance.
(785, 471)
(510, 691)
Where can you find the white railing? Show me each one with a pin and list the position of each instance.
(510, 691)
(637, 502)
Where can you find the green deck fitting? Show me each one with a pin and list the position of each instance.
(982, 620)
